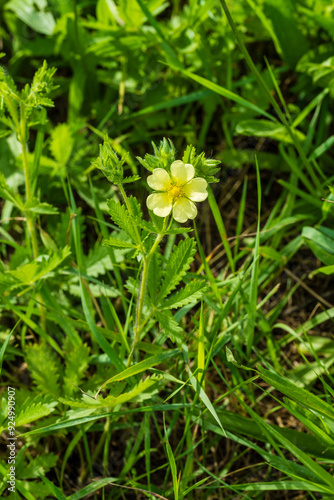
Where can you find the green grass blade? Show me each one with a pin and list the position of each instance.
(255, 272)
(228, 94)
(221, 228)
(201, 350)
(4, 346)
(142, 366)
(59, 495)
(103, 343)
(172, 465)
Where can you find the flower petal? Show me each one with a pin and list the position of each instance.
(159, 180)
(195, 190)
(160, 203)
(182, 172)
(183, 210)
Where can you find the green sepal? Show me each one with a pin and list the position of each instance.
(204, 167)
(163, 158)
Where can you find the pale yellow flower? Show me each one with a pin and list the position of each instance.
(176, 191)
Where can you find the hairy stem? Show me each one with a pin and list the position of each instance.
(142, 288)
(20, 124)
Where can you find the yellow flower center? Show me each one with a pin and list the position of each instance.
(175, 191)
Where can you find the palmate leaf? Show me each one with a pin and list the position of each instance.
(177, 266)
(192, 292)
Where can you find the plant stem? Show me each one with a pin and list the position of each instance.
(127, 204)
(20, 125)
(147, 260)
(30, 218)
(142, 288)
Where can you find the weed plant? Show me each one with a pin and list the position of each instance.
(158, 347)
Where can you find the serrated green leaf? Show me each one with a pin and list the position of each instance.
(118, 243)
(136, 210)
(62, 142)
(77, 358)
(45, 368)
(34, 409)
(177, 266)
(39, 466)
(37, 269)
(7, 87)
(4, 133)
(179, 230)
(192, 292)
(147, 226)
(121, 217)
(132, 285)
(138, 392)
(35, 95)
(206, 167)
(132, 178)
(8, 194)
(34, 205)
(98, 261)
(87, 403)
(142, 366)
(169, 325)
(111, 165)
